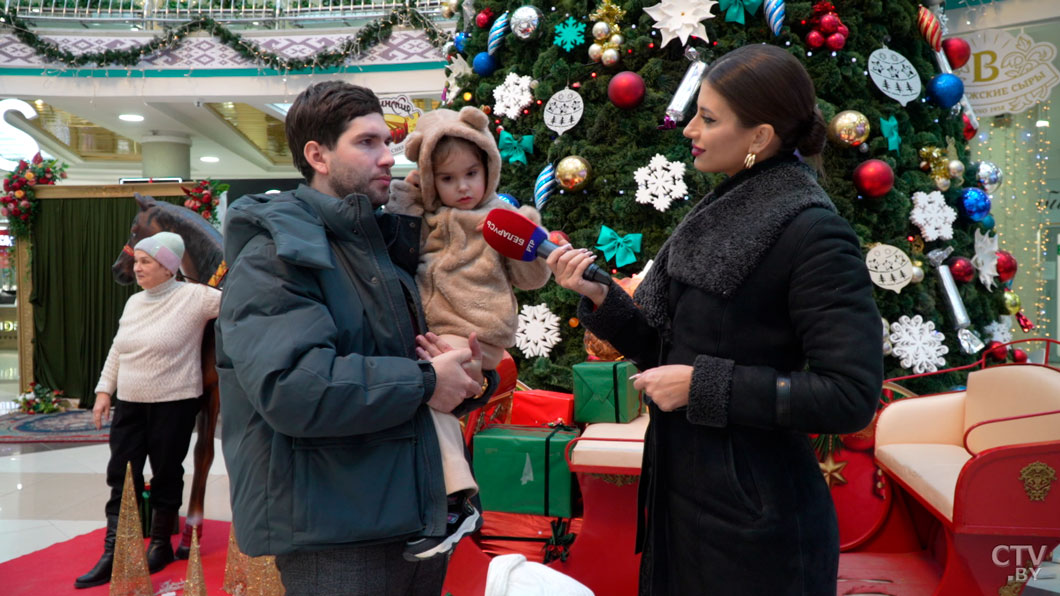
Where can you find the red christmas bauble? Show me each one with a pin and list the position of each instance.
(957, 51)
(874, 178)
(1006, 265)
(962, 269)
(829, 23)
(483, 18)
(836, 41)
(1019, 356)
(996, 350)
(969, 130)
(842, 30)
(559, 237)
(626, 90)
(814, 39)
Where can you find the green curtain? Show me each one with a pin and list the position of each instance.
(76, 303)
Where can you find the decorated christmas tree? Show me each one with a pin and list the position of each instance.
(588, 99)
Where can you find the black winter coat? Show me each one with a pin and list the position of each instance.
(762, 288)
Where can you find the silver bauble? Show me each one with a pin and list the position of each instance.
(942, 184)
(595, 51)
(989, 176)
(887, 348)
(609, 57)
(918, 275)
(956, 168)
(601, 30)
(617, 39)
(525, 21)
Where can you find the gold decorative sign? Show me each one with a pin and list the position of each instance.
(1037, 479)
(1008, 74)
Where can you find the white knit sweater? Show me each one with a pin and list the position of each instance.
(156, 354)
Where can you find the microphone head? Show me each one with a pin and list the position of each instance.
(512, 234)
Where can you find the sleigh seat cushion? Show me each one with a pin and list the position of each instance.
(929, 469)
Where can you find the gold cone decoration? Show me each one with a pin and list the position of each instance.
(250, 576)
(237, 566)
(264, 577)
(129, 576)
(195, 583)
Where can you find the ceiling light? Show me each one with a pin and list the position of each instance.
(209, 159)
(131, 117)
(1042, 124)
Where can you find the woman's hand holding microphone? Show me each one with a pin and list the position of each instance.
(568, 264)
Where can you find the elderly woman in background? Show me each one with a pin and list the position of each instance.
(154, 365)
(755, 327)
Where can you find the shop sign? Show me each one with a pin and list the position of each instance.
(952, 4)
(1007, 74)
(401, 116)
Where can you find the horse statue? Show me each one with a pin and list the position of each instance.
(203, 263)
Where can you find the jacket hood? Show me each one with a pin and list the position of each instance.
(470, 124)
(297, 231)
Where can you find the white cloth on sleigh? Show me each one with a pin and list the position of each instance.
(513, 575)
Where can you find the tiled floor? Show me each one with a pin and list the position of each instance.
(51, 492)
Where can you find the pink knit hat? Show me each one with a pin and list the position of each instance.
(165, 247)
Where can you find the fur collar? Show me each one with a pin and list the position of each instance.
(724, 238)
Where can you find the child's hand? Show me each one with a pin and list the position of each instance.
(413, 178)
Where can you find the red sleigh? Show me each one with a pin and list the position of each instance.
(950, 494)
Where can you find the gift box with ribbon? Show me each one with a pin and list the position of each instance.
(604, 392)
(522, 469)
(542, 408)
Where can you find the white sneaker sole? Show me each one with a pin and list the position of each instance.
(469, 525)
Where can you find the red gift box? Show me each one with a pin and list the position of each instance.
(539, 408)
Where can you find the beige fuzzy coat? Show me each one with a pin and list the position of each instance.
(465, 285)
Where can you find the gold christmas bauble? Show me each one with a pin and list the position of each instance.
(942, 183)
(849, 128)
(617, 39)
(956, 168)
(1012, 302)
(572, 172)
(609, 57)
(447, 13)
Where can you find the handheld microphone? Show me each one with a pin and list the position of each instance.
(516, 237)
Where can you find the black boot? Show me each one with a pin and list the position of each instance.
(160, 550)
(100, 574)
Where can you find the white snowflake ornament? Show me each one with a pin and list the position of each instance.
(917, 344)
(985, 259)
(1000, 330)
(660, 182)
(933, 216)
(512, 95)
(678, 19)
(538, 331)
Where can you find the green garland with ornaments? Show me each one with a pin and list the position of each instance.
(375, 32)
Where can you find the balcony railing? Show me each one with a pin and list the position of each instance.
(274, 13)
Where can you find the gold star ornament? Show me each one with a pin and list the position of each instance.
(833, 471)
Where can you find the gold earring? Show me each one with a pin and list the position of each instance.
(749, 161)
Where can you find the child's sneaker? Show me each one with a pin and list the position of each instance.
(463, 519)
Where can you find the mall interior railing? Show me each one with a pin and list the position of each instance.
(255, 13)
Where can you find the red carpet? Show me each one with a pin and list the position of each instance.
(51, 571)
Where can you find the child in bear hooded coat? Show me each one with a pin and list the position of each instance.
(465, 286)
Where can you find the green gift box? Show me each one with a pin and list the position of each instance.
(603, 392)
(522, 469)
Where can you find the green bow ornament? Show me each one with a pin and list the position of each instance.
(734, 9)
(515, 149)
(889, 129)
(623, 249)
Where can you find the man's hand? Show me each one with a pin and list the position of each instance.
(101, 411)
(453, 384)
(667, 385)
(430, 345)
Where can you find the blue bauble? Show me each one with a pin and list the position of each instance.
(987, 222)
(976, 203)
(484, 64)
(507, 198)
(460, 41)
(946, 90)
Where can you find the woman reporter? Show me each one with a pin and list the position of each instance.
(755, 327)
(154, 365)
